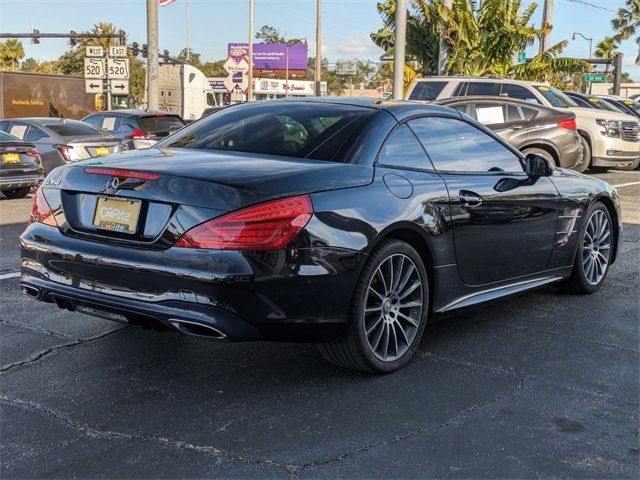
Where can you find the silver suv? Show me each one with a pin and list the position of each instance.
(609, 139)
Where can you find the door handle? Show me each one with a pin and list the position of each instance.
(469, 199)
(517, 127)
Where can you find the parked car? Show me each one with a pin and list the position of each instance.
(548, 132)
(20, 166)
(352, 233)
(62, 141)
(138, 128)
(609, 139)
(624, 104)
(592, 101)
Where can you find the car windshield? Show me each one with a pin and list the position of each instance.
(555, 97)
(5, 137)
(163, 123)
(294, 129)
(73, 129)
(635, 106)
(602, 105)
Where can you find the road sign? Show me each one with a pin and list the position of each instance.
(92, 85)
(119, 51)
(94, 68)
(237, 74)
(595, 77)
(119, 87)
(93, 51)
(118, 68)
(522, 57)
(347, 68)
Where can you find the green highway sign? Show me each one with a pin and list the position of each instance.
(595, 77)
(522, 57)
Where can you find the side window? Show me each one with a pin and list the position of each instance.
(402, 149)
(519, 92)
(5, 126)
(455, 146)
(18, 129)
(483, 88)
(427, 90)
(513, 113)
(95, 120)
(34, 134)
(211, 102)
(460, 90)
(529, 113)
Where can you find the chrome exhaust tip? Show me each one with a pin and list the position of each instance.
(31, 291)
(197, 329)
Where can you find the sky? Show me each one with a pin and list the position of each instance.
(346, 24)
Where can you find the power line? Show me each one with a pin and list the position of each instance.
(592, 5)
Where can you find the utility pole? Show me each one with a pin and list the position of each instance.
(443, 51)
(186, 6)
(250, 72)
(153, 69)
(547, 19)
(617, 77)
(317, 77)
(399, 44)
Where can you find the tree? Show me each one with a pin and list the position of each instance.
(29, 65)
(607, 49)
(269, 34)
(11, 52)
(627, 22)
(214, 69)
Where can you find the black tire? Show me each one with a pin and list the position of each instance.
(586, 156)
(17, 192)
(578, 283)
(354, 350)
(543, 153)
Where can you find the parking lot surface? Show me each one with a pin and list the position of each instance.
(539, 385)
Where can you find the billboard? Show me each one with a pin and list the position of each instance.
(272, 57)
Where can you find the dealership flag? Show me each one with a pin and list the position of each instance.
(166, 2)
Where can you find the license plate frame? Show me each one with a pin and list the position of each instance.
(123, 220)
(10, 158)
(102, 151)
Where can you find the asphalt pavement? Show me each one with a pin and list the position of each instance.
(539, 385)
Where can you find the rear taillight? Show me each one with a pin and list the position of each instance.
(265, 226)
(32, 152)
(65, 151)
(121, 172)
(41, 211)
(569, 123)
(137, 134)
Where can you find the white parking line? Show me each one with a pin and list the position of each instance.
(627, 184)
(4, 276)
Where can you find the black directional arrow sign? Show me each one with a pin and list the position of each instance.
(119, 87)
(93, 86)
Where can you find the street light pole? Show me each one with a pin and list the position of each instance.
(153, 69)
(317, 77)
(399, 44)
(547, 19)
(590, 40)
(250, 76)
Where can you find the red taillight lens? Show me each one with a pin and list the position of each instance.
(137, 134)
(120, 172)
(569, 123)
(65, 151)
(32, 152)
(41, 211)
(266, 226)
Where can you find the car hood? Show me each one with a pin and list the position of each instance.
(592, 114)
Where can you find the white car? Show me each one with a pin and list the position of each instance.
(609, 139)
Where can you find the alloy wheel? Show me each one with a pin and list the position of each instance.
(596, 248)
(393, 307)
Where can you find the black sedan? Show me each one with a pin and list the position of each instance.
(20, 166)
(343, 222)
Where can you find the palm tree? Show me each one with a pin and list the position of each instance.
(11, 52)
(627, 22)
(607, 48)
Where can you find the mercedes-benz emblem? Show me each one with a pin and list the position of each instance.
(113, 184)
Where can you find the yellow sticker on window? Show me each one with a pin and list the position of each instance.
(593, 100)
(544, 89)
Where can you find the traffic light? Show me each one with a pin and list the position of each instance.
(165, 56)
(35, 38)
(145, 50)
(123, 37)
(135, 49)
(72, 38)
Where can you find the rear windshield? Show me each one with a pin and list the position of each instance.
(426, 90)
(294, 129)
(555, 97)
(5, 137)
(160, 124)
(73, 129)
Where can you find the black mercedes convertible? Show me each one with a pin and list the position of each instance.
(348, 223)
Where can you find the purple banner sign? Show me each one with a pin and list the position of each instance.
(272, 56)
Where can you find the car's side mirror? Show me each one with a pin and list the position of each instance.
(537, 166)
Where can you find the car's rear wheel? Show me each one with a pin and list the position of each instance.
(17, 192)
(388, 312)
(594, 252)
(586, 156)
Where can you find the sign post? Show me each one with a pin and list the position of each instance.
(106, 73)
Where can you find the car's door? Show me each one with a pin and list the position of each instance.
(504, 119)
(504, 222)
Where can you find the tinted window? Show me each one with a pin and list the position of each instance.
(5, 137)
(289, 129)
(456, 146)
(483, 88)
(631, 105)
(581, 102)
(600, 104)
(555, 97)
(427, 90)
(520, 92)
(529, 113)
(4, 126)
(95, 120)
(160, 124)
(402, 149)
(34, 134)
(461, 107)
(73, 129)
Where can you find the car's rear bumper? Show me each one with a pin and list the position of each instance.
(294, 294)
